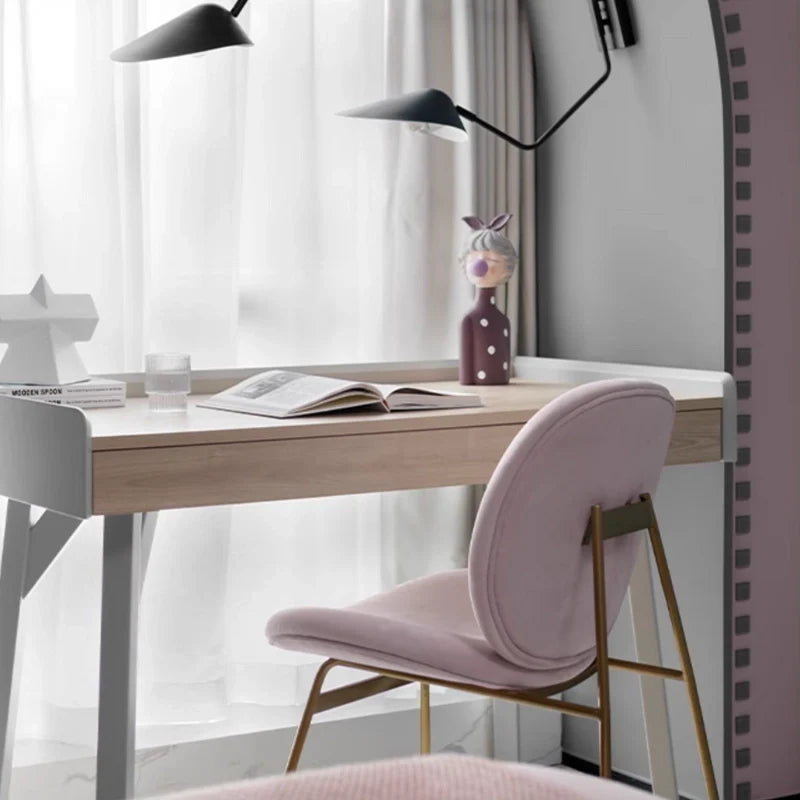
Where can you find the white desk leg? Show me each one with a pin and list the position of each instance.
(654, 696)
(505, 731)
(116, 741)
(12, 584)
(149, 520)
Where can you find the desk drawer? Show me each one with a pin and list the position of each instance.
(199, 475)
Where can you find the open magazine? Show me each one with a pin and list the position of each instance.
(292, 394)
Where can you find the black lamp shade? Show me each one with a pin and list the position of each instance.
(205, 27)
(429, 111)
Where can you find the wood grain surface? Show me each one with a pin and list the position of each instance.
(145, 461)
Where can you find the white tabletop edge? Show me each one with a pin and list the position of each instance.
(706, 382)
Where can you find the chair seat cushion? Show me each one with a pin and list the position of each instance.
(426, 627)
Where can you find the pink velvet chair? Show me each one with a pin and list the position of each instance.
(552, 552)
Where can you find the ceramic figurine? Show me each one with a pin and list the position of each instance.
(488, 260)
(41, 329)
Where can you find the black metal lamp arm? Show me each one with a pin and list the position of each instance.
(238, 6)
(602, 23)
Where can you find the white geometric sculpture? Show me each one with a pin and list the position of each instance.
(41, 329)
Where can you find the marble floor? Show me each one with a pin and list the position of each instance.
(254, 741)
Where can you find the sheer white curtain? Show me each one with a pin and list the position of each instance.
(502, 85)
(217, 206)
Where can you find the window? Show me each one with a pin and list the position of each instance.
(218, 206)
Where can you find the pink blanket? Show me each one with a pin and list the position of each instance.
(437, 777)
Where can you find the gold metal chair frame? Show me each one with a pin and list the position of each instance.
(602, 525)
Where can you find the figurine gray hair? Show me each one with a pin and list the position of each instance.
(488, 258)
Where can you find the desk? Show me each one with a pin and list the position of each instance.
(128, 463)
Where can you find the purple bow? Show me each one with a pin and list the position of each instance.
(498, 223)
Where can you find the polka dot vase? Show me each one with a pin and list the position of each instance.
(488, 260)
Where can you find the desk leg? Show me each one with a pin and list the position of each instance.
(12, 585)
(149, 520)
(654, 695)
(505, 731)
(122, 546)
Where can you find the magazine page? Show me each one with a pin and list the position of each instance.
(399, 397)
(280, 393)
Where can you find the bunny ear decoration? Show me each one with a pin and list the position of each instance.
(499, 222)
(476, 223)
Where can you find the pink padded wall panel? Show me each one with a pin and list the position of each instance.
(762, 53)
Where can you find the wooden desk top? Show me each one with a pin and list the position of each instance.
(126, 460)
(144, 461)
(135, 427)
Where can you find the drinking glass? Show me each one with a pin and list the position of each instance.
(167, 380)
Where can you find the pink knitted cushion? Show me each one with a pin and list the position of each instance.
(440, 777)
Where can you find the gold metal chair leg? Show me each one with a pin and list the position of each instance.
(683, 650)
(308, 713)
(424, 718)
(601, 633)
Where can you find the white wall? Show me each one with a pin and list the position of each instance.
(630, 191)
(630, 217)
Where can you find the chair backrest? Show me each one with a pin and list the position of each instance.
(530, 577)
